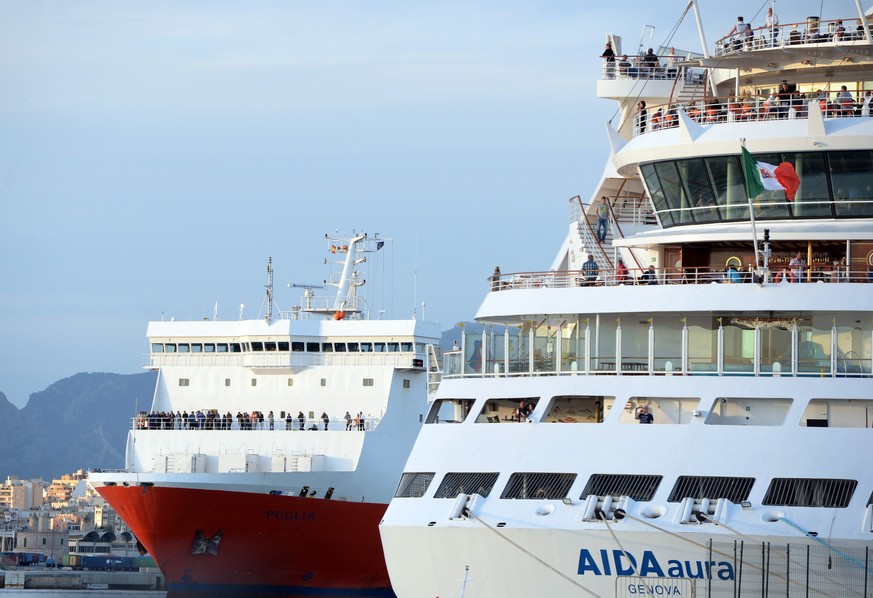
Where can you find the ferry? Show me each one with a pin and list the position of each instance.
(272, 446)
(681, 403)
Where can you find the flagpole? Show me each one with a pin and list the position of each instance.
(751, 216)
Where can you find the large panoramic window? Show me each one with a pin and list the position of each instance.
(699, 191)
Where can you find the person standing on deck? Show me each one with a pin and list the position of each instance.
(602, 219)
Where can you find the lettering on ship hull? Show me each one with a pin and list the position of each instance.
(626, 564)
(289, 515)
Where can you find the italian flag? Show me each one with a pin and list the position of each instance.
(761, 176)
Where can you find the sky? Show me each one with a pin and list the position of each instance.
(153, 156)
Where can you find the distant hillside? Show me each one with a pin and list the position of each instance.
(81, 422)
(78, 422)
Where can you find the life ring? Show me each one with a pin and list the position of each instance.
(339, 315)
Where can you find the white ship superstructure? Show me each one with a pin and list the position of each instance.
(272, 445)
(746, 342)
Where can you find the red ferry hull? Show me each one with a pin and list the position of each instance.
(270, 545)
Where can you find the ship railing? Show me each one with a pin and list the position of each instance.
(287, 360)
(667, 68)
(776, 273)
(733, 109)
(812, 32)
(214, 423)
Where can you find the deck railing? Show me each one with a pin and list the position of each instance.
(811, 32)
(693, 276)
(163, 421)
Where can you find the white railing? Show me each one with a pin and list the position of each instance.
(164, 421)
(285, 359)
(793, 35)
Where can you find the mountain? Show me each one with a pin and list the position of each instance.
(78, 422)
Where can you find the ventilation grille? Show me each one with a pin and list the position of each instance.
(735, 490)
(637, 487)
(538, 486)
(466, 483)
(800, 492)
(413, 485)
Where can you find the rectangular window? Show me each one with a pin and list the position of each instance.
(368, 382)
(183, 347)
(324, 381)
(290, 381)
(466, 483)
(413, 485)
(405, 383)
(393, 347)
(210, 348)
(283, 346)
(449, 411)
(327, 347)
(313, 347)
(270, 346)
(379, 347)
(735, 490)
(297, 346)
(257, 346)
(339, 347)
(170, 347)
(196, 348)
(184, 381)
(353, 347)
(538, 486)
(813, 492)
(227, 381)
(157, 347)
(637, 487)
(366, 347)
(406, 347)
(254, 381)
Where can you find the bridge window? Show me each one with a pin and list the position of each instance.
(297, 346)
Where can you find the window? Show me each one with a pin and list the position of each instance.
(157, 347)
(353, 347)
(290, 381)
(497, 410)
(183, 347)
(735, 490)
(406, 383)
(327, 347)
(413, 485)
(209, 348)
(366, 347)
(270, 346)
(282, 346)
(227, 381)
(637, 487)
(184, 381)
(393, 347)
(170, 347)
(800, 492)
(196, 348)
(234, 348)
(297, 346)
(449, 411)
(324, 381)
(257, 346)
(466, 483)
(406, 347)
(538, 486)
(572, 409)
(339, 347)
(368, 382)
(313, 347)
(729, 411)
(254, 381)
(379, 347)
(223, 347)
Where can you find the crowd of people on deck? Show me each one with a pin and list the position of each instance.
(212, 419)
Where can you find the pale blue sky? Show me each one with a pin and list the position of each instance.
(153, 155)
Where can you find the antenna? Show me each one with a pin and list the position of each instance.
(269, 315)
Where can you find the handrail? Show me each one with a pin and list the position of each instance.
(730, 109)
(809, 32)
(554, 279)
(161, 421)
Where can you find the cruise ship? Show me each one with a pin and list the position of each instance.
(681, 403)
(272, 446)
